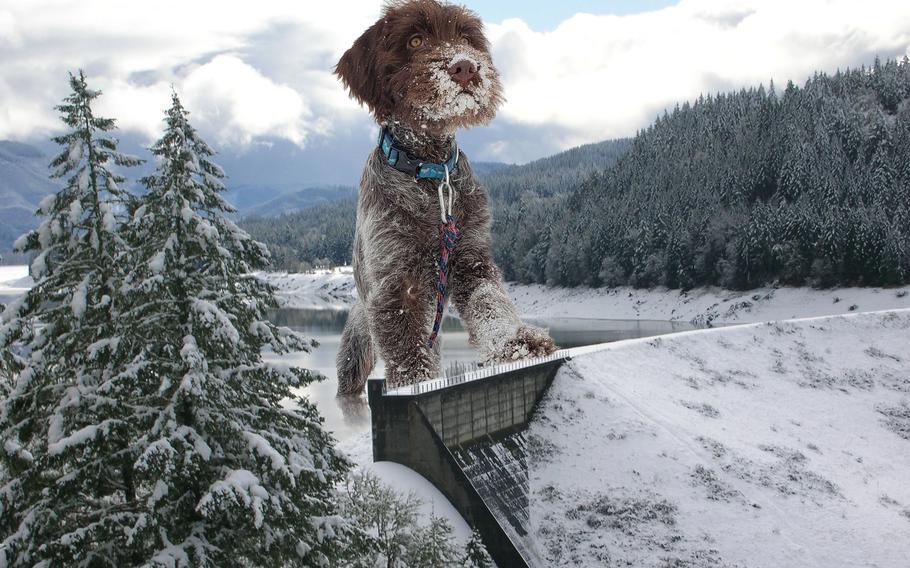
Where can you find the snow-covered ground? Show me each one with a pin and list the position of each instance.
(335, 290)
(770, 445)
(319, 290)
(783, 444)
(704, 305)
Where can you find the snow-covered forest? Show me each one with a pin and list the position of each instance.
(141, 425)
(800, 186)
(807, 186)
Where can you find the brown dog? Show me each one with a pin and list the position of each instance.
(423, 70)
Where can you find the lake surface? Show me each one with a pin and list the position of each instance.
(348, 416)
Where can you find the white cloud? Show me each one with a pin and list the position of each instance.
(204, 48)
(598, 77)
(249, 105)
(263, 69)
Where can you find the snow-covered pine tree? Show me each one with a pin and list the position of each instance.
(226, 473)
(476, 554)
(392, 535)
(62, 433)
(433, 546)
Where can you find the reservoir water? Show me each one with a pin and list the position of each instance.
(348, 416)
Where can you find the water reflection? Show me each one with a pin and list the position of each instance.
(347, 416)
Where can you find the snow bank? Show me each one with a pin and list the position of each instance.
(703, 306)
(780, 444)
(334, 289)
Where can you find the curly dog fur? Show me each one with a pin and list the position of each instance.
(422, 90)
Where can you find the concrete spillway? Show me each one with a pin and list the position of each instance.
(465, 435)
(498, 470)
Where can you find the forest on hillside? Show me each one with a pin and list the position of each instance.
(322, 236)
(809, 186)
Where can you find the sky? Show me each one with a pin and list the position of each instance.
(257, 76)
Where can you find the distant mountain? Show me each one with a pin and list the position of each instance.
(293, 201)
(273, 201)
(483, 168)
(559, 173)
(24, 183)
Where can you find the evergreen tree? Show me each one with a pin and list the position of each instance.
(433, 546)
(392, 535)
(62, 432)
(223, 471)
(476, 554)
(389, 519)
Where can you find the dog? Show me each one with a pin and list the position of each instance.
(424, 70)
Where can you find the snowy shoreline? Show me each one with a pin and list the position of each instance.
(335, 290)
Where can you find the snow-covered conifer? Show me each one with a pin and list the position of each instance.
(225, 472)
(63, 435)
(476, 554)
(433, 546)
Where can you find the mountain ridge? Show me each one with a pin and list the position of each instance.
(24, 182)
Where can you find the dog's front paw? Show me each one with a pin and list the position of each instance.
(403, 375)
(529, 341)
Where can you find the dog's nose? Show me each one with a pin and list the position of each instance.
(463, 72)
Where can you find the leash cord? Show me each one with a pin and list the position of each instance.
(448, 234)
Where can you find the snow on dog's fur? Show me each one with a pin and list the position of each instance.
(404, 69)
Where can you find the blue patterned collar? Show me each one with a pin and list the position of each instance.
(404, 162)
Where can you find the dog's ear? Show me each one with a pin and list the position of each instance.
(360, 70)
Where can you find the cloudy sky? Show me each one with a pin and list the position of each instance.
(257, 75)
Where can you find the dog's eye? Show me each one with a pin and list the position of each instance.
(415, 41)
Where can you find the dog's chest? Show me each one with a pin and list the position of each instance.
(423, 202)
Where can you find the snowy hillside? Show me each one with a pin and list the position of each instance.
(771, 445)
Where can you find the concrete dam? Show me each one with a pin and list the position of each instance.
(465, 434)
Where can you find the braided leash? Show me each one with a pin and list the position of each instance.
(448, 234)
(402, 161)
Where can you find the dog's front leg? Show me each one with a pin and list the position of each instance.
(487, 312)
(400, 314)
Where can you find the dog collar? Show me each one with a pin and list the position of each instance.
(404, 162)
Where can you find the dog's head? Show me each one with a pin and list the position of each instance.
(424, 63)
